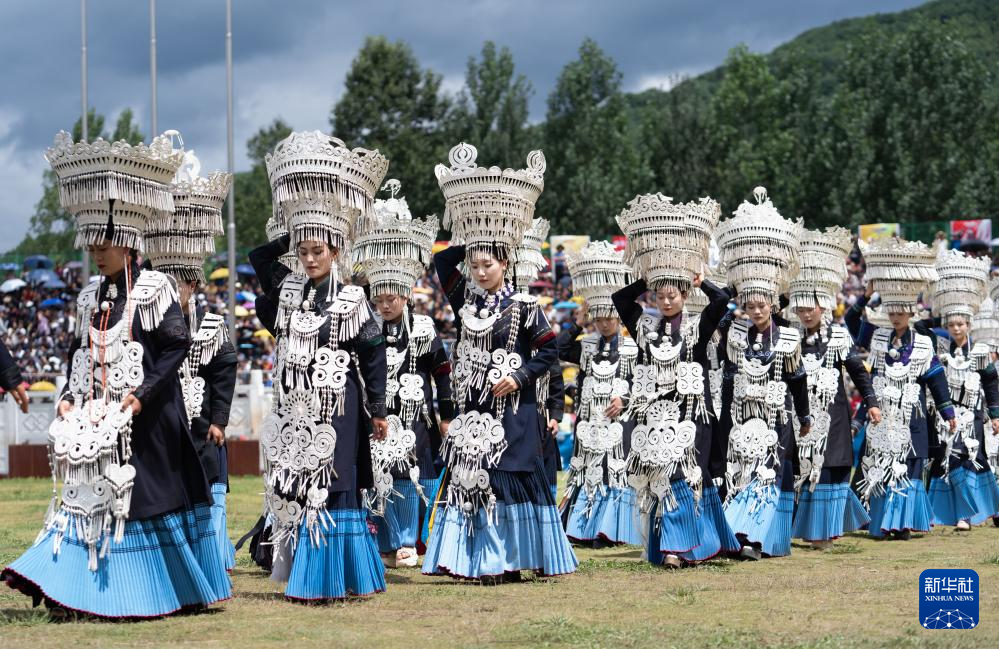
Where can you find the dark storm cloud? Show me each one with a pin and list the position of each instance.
(291, 58)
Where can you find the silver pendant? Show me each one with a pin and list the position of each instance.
(893, 353)
(757, 347)
(391, 340)
(483, 313)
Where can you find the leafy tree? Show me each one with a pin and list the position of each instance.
(252, 188)
(394, 105)
(595, 165)
(491, 110)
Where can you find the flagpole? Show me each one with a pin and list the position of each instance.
(152, 67)
(232, 186)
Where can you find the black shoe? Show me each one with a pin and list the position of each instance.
(995, 521)
(491, 580)
(600, 543)
(749, 553)
(903, 535)
(512, 577)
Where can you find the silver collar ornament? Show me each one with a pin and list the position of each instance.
(667, 400)
(965, 385)
(889, 443)
(758, 408)
(824, 378)
(393, 452)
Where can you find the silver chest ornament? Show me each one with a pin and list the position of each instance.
(393, 452)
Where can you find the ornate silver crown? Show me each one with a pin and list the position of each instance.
(93, 174)
(527, 260)
(985, 324)
(323, 189)
(178, 242)
(667, 241)
(901, 271)
(961, 286)
(489, 209)
(822, 269)
(598, 270)
(759, 249)
(396, 250)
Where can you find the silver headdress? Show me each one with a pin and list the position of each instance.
(395, 252)
(759, 249)
(667, 242)
(823, 268)
(901, 271)
(961, 286)
(489, 210)
(985, 324)
(598, 270)
(696, 300)
(527, 260)
(102, 183)
(178, 242)
(323, 189)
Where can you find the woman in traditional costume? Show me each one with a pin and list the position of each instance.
(329, 376)
(499, 517)
(668, 464)
(392, 255)
(963, 490)
(130, 535)
(599, 503)
(763, 380)
(903, 367)
(177, 244)
(827, 507)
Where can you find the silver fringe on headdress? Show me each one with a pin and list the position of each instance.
(667, 242)
(759, 249)
(961, 286)
(396, 251)
(527, 260)
(901, 271)
(488, 210)
(598, 270)
(823, 268)
(105, 182)
(324, 191)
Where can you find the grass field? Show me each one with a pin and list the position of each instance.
(861, 593)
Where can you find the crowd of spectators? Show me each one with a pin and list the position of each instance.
(38, 322)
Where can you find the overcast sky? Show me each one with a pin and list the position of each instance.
(291, 58)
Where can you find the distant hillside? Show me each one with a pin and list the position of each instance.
(976, 23)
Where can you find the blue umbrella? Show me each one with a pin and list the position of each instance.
(41, 276)
(566, 305)
(36, 262)
(53, 282)
(9, 266)
(52, 303)
(245, 269)
(246, 296)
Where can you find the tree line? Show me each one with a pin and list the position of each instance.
(906, 131)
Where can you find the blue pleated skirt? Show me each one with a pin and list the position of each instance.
(763, 520)
(611, 517)
(220, 522)
(405, 516)
(526, 535)
(692, 531)
(344, 564)
(829, 511)
(907, 509)
(164, 564)
(966, 495)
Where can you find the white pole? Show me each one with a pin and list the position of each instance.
(231, 234)
(152, 67)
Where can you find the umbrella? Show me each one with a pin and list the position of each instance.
(52, 303)
(246, 296)
(53, 282)
(566, 305)
(245, 269)
(40, 276)
(219, 273)
(9, 266)
(262, 333)
(38, 262)
(12, 285)
(42, 386)
(974, 245)
(545, 300)
(241, 312)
